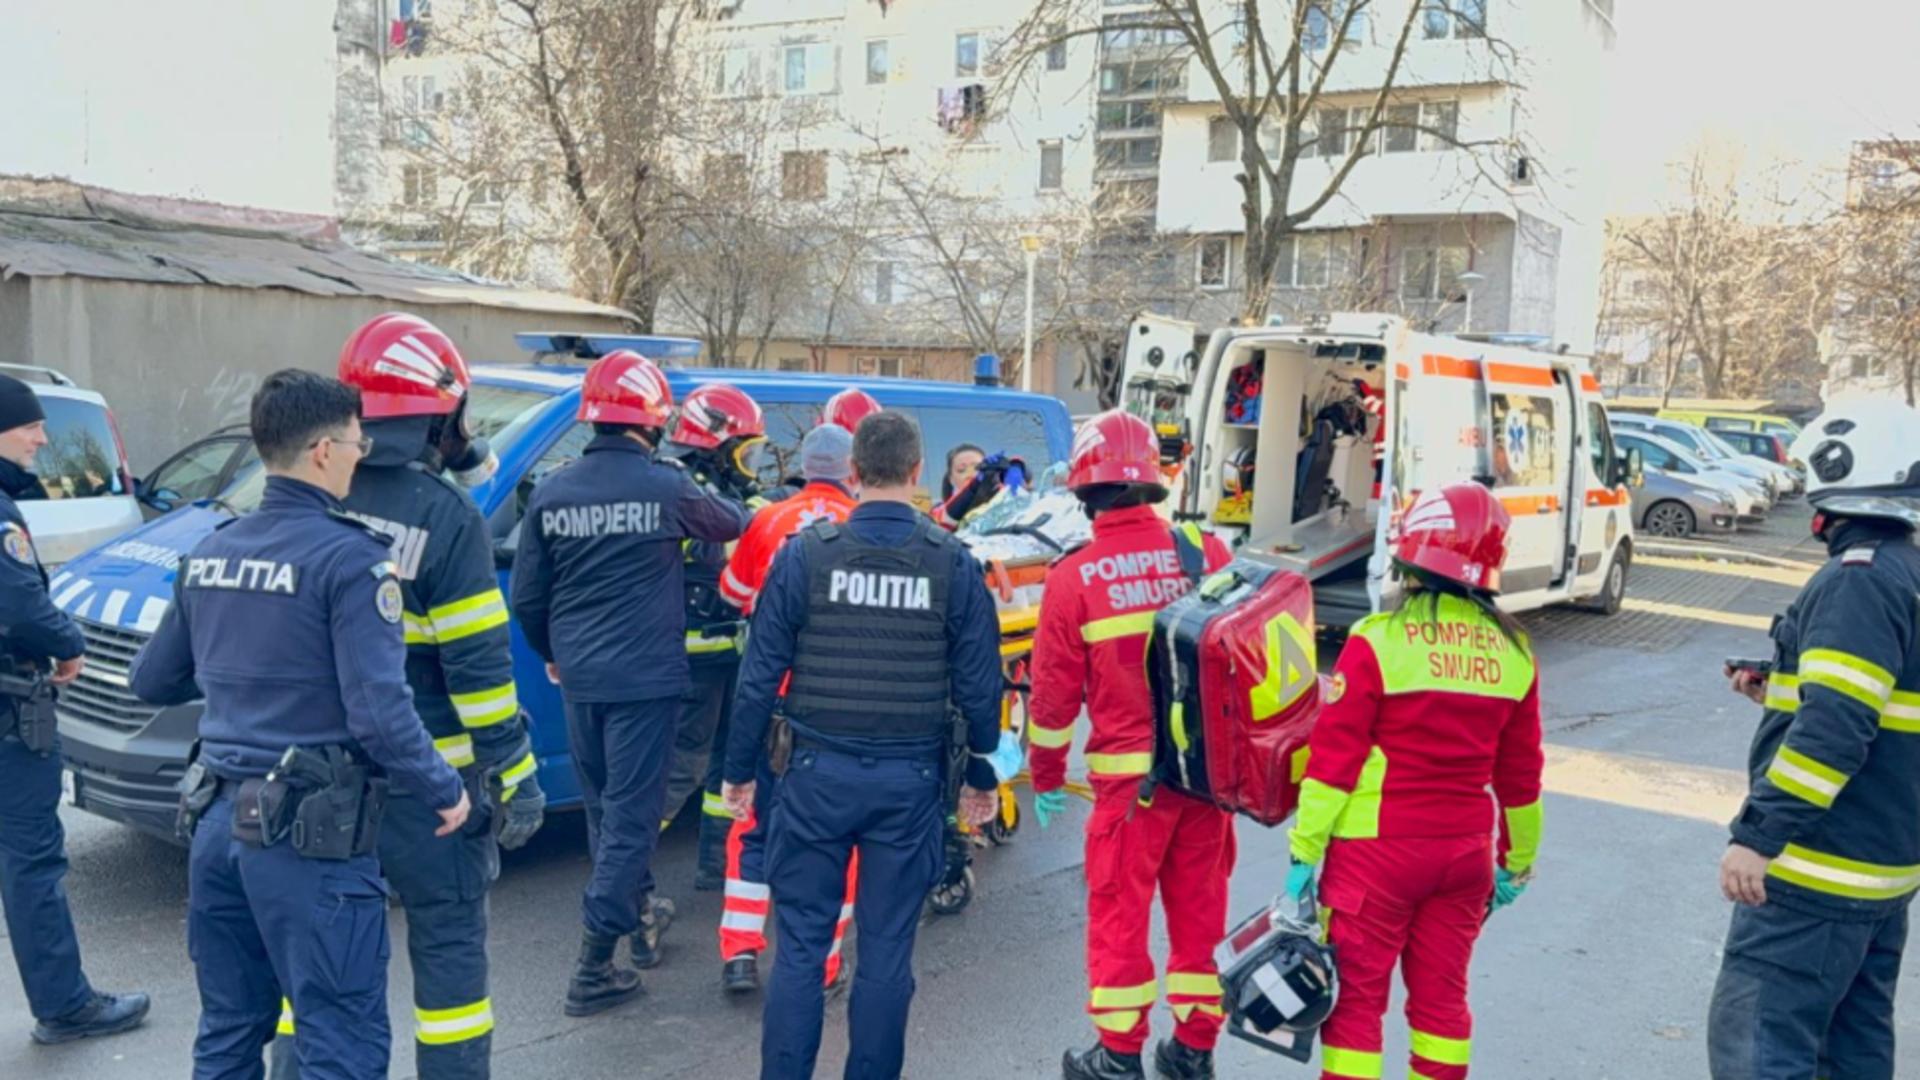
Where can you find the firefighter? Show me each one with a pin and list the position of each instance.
(826, 463)
(411, 487)
(598, 589)
(38, 639)
(717, 435)
(1428, 706)
(288, 621)
(1825, 853)
(886, 625)
(1090, 646)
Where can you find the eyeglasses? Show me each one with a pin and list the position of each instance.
(364, 443)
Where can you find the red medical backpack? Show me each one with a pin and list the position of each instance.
(1235, 690)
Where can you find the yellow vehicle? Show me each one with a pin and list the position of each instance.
(1727, 420)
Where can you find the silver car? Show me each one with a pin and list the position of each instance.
(1716, 454)
(1674, 507)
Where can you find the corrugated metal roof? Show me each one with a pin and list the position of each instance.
(60, 229)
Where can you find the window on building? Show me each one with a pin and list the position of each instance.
(966, 54)
(1868, 366)
(732, 73)
(1223, 139)
(1402, 135)
(421, 94)
(1127, 80)
(489, 192)
(1127, 116)
(419, 186)
(1283, 262)
(1129, 153)
(803, 175)
(1435, 21)
(883, 283)
(1317, 32)
(1331, 140)
(1057, 49)
(1312, 258)
(1367, 141)
(794, 363)
(807, 69)
(879, 67)
(1470, 18)
(1442, 121)
(883, 366)
(1214, 268)
(1431, 271)
(1051, 165)
(1441, 19)
(1127, 197)
(725, 175)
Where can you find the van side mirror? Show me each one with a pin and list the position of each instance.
(161, 499)
(1630, 468)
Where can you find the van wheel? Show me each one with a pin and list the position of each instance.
(1672, 520)
(1613, 588)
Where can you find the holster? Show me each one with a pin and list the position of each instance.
(322, 800)
(34, 721)
(779, 744)
(198, 788)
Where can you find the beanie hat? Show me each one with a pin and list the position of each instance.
(826, 453)
(19, 405)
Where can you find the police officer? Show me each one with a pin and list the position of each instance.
(39, 643)
(287, 621)
(717, 435)
(413, 386)
(1825, 855)
(886, 624)
(597, 586)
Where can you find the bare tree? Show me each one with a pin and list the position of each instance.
(1271, 68)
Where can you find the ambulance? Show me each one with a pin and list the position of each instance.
(1301, 445)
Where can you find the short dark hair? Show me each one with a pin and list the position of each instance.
(651, 434)
(293, 408)
(886, 449)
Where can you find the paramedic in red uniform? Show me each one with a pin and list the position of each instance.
(1091, 646)
(1429, 706)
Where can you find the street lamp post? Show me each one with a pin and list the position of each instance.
(1470, 280)
(1030, 243)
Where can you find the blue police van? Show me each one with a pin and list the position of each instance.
(124, 757)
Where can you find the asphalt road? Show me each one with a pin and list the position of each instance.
(1601, 971)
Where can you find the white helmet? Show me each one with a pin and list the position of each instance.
(1863, 459)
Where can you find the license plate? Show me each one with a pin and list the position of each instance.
(69, 787)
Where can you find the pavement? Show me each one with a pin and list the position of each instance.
(1602, 972)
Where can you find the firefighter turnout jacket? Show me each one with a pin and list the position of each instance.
(1835, 796)
(1091, 643)
(599, 535)
(1429, 705)
(459, 660)
(746, 571)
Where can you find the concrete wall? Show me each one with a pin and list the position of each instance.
(178, 361)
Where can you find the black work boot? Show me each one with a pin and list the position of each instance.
(655, 916)
(1100, 1063)
(741, 975)
(710, 872)
(598, 983)
(1176, 1060)
(103, 1014)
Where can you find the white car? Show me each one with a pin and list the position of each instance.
(83, 467)
(1749, 501)
(1716, 454)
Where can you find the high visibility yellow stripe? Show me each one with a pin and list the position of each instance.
(1193, 984)
(712, 805)
(1802, 776)
(513, 774)
(1360, 817)
(464, 618)
(1185, 1009)
(457, 749)
(439, 1027)
(1902, 713)
(1117, 1022)
(1047, 738)
(700, 644)
(1524, 825)
(285, 1026)
(485, 708)
(1356, 1064)
(1843, 877)
(1844, 673)
(1320, 807)
(1125, 997)
(1783, 692)
(1442, 1050)
(1120, 764)
(419, 631)
(1117, 626)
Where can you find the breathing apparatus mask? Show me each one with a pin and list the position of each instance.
(467, 456)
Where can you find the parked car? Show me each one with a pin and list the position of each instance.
(201, 470)
(1675, 507)
(1656, 453)
(1760, 444)
(1698, 441)
(1789, 481)
(83, 467)
(1718, 420)
(124, 756)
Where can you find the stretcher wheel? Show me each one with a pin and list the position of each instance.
(1003, 825)
(952, 899)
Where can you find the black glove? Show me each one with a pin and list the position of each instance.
(520, 813)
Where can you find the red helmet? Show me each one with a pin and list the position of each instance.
(624, 387)
(848, 407)
(715, 413)
(404, 366)
(1458, 532)
(1115, 447)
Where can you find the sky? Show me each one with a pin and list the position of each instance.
(1769, 80)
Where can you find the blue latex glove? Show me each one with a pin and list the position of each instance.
(1008, 757)
(1506, 889)
(1047, 805)
(1300, 881)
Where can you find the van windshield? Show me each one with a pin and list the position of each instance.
(82, 458)
(496, 413)
(1020, 433)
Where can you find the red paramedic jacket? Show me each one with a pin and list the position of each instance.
(1096, 613)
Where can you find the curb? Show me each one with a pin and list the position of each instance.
(1716, 553)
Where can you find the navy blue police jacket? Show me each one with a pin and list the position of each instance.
(599, 576)
(780, 612)
(31, 628)
(287, 621)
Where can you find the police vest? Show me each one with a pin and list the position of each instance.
(871, 661)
